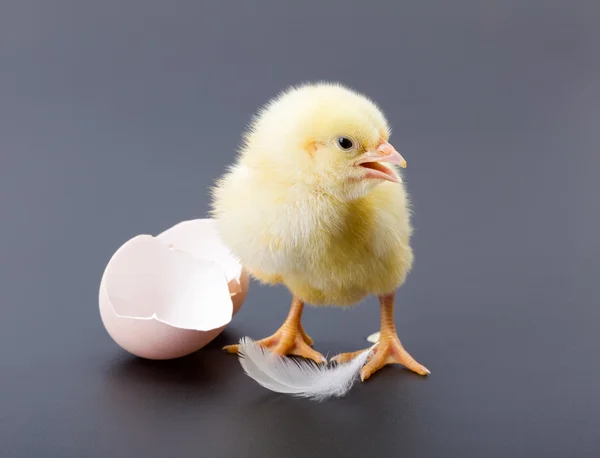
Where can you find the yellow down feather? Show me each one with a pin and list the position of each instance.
(294, 211)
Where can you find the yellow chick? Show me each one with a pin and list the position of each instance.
(315, 201)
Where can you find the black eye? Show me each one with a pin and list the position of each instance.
(345, 143)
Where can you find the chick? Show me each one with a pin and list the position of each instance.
(315, 201)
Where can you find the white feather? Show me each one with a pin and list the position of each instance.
(302, 378)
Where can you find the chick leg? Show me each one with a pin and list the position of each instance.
(307, 339)
(290, 338)
(389, 349)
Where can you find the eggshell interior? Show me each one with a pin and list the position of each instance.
(168, 296)
(152, 339)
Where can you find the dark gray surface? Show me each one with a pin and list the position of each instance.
(115, 117)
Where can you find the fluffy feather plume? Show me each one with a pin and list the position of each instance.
(300, 378)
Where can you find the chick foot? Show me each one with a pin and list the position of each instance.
(389, 350)
(284, 342)
(289, 339)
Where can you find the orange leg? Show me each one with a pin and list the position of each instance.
(389, 349)
(290, 338)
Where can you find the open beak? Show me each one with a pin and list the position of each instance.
(372, 162)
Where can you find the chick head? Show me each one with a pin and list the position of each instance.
(326, 137)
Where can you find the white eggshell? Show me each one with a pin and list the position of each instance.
(168, 296)
(374, 338)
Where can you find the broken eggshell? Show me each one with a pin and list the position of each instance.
(168, 296)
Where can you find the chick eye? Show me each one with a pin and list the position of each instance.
(345, 143)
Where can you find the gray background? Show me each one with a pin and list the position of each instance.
(116, 117)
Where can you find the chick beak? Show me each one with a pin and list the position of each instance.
(372, 161)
